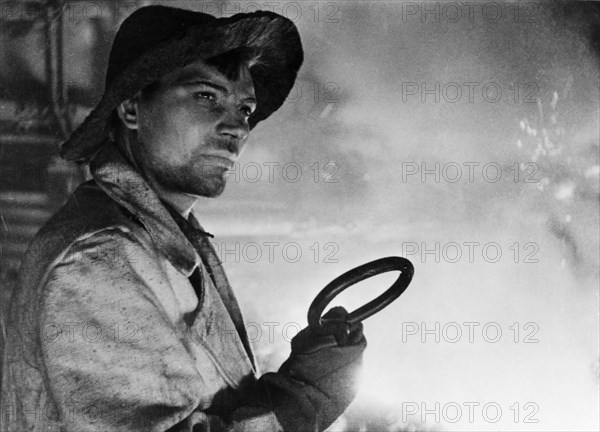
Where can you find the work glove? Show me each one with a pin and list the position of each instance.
(318, 381)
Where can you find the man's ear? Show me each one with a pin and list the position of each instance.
(128, 113)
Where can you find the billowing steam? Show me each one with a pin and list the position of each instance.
(471, 147)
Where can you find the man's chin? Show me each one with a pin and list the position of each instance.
(213, 193)
(211, 189)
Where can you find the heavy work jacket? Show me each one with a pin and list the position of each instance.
(118, 325)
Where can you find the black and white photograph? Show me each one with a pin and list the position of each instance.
(299, 216)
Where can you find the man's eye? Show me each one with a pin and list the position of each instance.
(246, 110)
(206, 95)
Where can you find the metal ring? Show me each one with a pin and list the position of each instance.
(356, 275)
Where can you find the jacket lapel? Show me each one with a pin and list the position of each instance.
(214, 275)
(214, 329)
(185, 244)
(221, 283)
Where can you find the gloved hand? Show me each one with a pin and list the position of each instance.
(318, 381)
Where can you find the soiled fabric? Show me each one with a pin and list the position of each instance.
(118, 324)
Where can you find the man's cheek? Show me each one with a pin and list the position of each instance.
(152, 130)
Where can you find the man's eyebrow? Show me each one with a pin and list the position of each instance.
(191, 80)
(249, 99)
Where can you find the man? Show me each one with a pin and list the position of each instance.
(124, 317)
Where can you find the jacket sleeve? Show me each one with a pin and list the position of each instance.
(113, 359)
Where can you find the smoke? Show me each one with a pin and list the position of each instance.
(515, 275)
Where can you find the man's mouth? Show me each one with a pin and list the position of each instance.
(218, 161)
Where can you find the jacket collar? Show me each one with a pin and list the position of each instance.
(124, 184)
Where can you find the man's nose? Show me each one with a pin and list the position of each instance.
(234, 125)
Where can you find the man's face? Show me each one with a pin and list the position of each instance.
(193, 127)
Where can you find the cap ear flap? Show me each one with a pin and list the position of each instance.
(128, 113)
